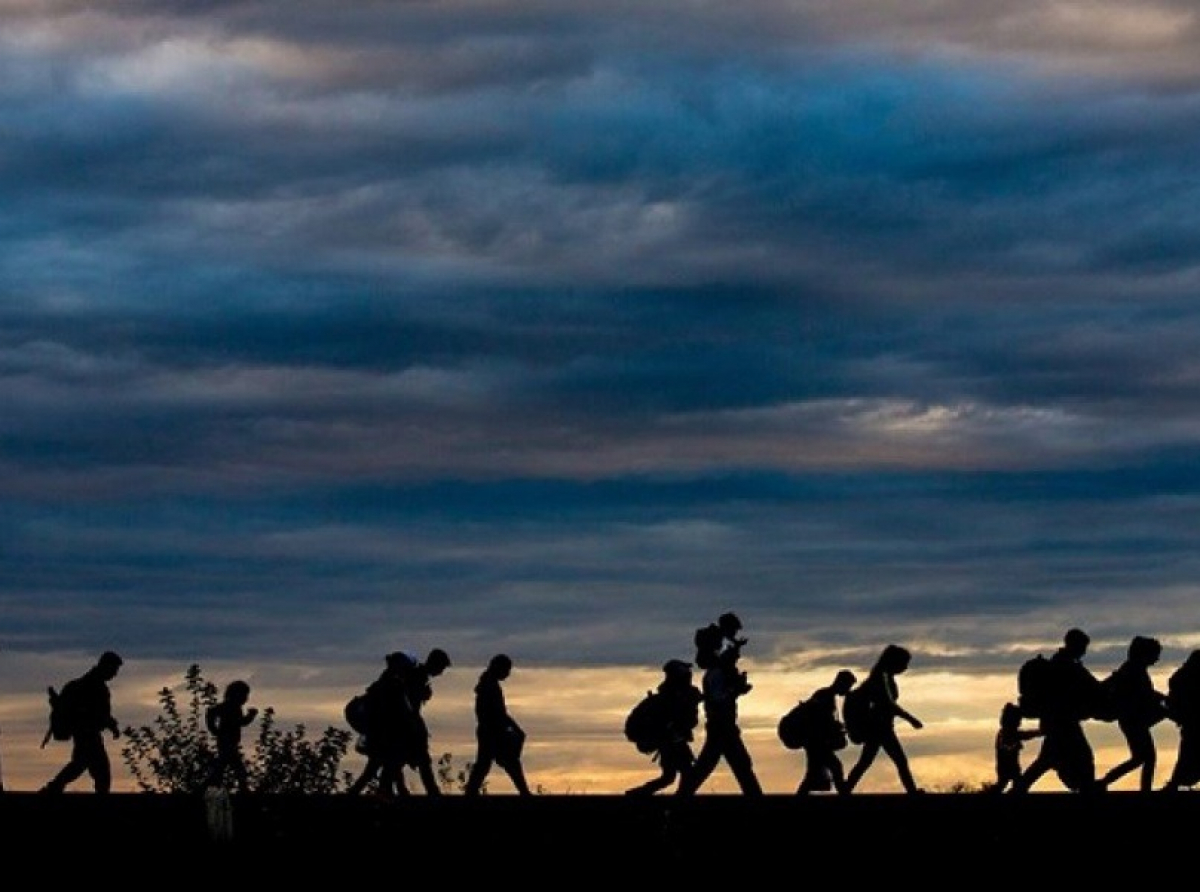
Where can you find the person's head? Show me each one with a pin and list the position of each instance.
(500, 666)
(895, 659)
(437, 662)
(678, 671)
(729, 624)
(1076, 642)
(237, 692)
(1010, 716)
(109, 664)
(1144, 651)
(844, 681)
(399, 661)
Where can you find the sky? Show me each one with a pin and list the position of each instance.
(560, 328)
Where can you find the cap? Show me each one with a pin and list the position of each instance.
(672, 666)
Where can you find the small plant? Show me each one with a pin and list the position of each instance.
(172, 755)
(452, 778)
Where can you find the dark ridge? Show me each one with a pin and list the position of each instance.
(607, 837)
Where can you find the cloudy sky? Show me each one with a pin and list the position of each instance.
(558, 328)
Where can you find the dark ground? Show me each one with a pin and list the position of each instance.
(713, 839)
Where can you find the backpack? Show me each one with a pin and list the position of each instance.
(856, 714)
(1181, 691)
(1108, 699)
(356, 713)
(1035, 682)
(793, 728)
(63, 710)
(707, 640)
(646, 724)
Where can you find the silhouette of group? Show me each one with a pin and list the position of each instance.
(397, 736)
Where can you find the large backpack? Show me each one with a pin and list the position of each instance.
(357, 713)
(63, 710)
(646, 723)
(1035, 686)
(1109, 705)
(856, 713)
(794, 726)
(1181, 691)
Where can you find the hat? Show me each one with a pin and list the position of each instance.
(672, 666)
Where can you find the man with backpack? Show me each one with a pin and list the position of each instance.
(1071, 696)
(722, 685)
(86, 708)
(671, 741)
(389, 715)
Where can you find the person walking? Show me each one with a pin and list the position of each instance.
(390, 716)
(419, 685)
(722, 684)
(225, 721)
(1009, 743)
(826, 735)
(882, 695)
(681, 711)
(90, 704)
(1183, 708)
(1138, 707)
(499, 739)
(1072, 696)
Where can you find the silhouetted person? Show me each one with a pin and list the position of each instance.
(682, 705)
(723, 640)
(1183, 703)
(1010, 741)
(225, 721)
(823, 767)
(419, 680)
(1139, 707)
(884, 696)
(1072, 698)
(390, 717)
(499, 739)
(722, 684)
(91, 702)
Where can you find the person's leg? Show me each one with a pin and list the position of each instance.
(811, 780)
(479, 768)
(837, 774)
(428, 776)
(865, 757)
(742, 765)
(100, 768)
(216, 771)
(241, 774)
(369, 773)
(895, 752)
(516, 773)
(706, 761)
(1046, 759)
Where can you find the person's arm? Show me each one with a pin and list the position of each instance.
(908, 717)
(889, 691)
(110, 721)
